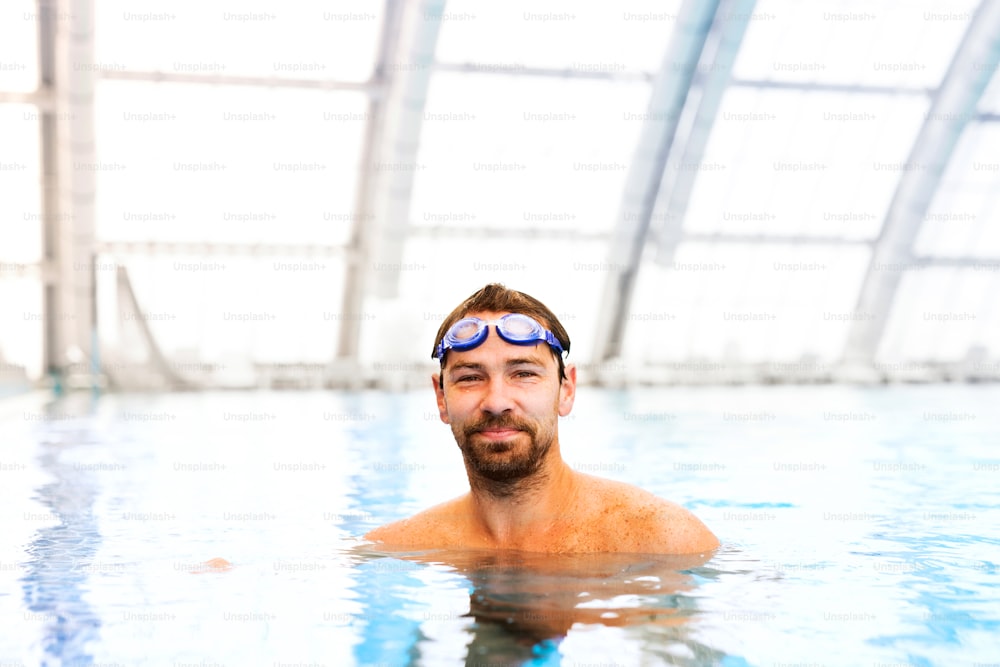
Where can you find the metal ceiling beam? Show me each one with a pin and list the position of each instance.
(66, 126)
(975, 263)
(829, 87)
(971, 69)
(804, 239)
(47, 13)
(223, 249)
(355, 275)
(670, 94)
(39, 98)
(572, 235)
(486, 232)
(395, 165)
(519, 69)
(678, 181)
(402, 73)
(158, 76)
(71, 125)
(306, 250)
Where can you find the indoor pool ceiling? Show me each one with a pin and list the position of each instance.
(705, 191)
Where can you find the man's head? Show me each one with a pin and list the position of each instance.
(503, 399)
(498, 299)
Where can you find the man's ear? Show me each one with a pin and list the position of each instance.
(439, 393)
(567, 391)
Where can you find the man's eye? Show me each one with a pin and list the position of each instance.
(467, 378)
(526, 374)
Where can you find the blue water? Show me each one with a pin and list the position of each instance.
(860, 526)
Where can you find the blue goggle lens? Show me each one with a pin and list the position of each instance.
(465, 330)
(521, 327)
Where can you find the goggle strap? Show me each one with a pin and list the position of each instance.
(551, 339)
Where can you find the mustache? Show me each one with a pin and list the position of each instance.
(498, 422)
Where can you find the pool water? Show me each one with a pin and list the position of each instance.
(860, 526)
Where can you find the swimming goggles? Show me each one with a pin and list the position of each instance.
(514, 328)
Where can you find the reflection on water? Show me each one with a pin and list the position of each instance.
(60, 557)
(522, 605)
(856, 564)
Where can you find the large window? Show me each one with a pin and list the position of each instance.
(237, 182)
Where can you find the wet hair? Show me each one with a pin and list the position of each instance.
(497, 298)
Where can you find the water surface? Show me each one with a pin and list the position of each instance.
(859, 527)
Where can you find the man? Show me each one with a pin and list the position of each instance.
(502, 387)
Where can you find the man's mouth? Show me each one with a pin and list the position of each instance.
(499, 433)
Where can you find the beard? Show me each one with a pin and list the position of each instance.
(503, 467)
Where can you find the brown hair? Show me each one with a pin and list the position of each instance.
(497, 298)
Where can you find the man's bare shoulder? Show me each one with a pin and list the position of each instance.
(437, 526)
(642, 522)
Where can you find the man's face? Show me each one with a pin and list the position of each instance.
(502, 402)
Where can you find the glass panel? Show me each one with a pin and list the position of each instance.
(20, 195)
(200, 163)
(906, 44)
(21, 324)
(963, 216)
(804, 163)
(295, 40)
(944, 315)
(19, 45)
(438, 281)
(230, 311)
(746, 303)
(525, 152)
(586, 36)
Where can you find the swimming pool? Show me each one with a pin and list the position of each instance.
(860, 526)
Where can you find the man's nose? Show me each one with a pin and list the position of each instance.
(498, 398)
